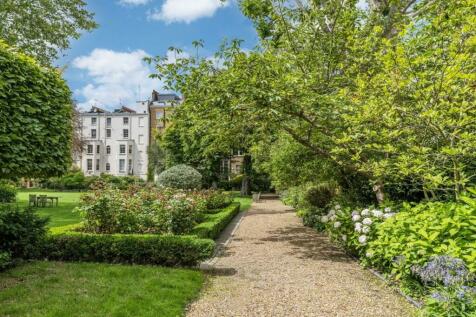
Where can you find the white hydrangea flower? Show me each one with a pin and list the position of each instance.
(377, 213)
(333, 217)
(337, 224)
(324, 219)
(331, 212)
(355, 218)
(363, 239)
(355, 213)
(369, 254)
(388, 209)
(358, 227)
(344, 237)
(367, 221)
(337, 206)
(389, 215)
(365, 229)
(365, 212)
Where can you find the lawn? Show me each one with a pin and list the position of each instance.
(91, 289)
(59, 216)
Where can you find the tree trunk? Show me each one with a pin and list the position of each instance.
(245, 182)
(379, 193)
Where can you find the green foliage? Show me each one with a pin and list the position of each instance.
(419, 232)
(21, 232)
(5, 260)
(43, 28)
(167, 250)
(35, 118)
(8, 193)
(216, 199)
(181, 177)
(213, 224)
(451, 303)
(75, 180)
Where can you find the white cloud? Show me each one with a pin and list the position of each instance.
(133, 2)
(115, 78)
(186, 10)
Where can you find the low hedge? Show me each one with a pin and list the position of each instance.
(214, 223)
(167, 250)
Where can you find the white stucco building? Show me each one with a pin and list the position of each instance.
(115, 143)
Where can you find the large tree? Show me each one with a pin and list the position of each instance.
(43, 28)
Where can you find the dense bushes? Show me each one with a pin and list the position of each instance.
(166, 250)
(181, 177)
(21, 233)
(213, 224)
(8, 193)
(429, 248)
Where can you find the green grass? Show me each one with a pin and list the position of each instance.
(245, 202)
(59, 216)
(89, 289)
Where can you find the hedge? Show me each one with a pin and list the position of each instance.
(214, 223)
(167, 250)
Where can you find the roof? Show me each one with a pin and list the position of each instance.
(164, 97)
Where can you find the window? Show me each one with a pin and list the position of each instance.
(90, 149)
(108, 149)
(108, 133)
(108, 122)
(90, 164)
(94, 121)
(130, 167)
(141, 139)
(122, 165)
(98, 149)
(97, 164)
(125, 120)
(130, 149)
(93, 133)
(108, 167)
(122, 149)
(141, 121)
(125, 133)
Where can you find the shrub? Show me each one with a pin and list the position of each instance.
(8, 193)
(165, 250)
(181, 177)
(21, 231)
(5, 260)
(214, 224)
(216, 199)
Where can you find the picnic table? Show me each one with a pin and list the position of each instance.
(42, 200)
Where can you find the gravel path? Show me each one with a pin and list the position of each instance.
(274, 266)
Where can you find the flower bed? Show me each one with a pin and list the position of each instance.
(429, 249)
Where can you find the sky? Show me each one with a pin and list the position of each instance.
(105, 67)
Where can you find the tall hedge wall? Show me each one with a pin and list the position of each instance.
(35, 118)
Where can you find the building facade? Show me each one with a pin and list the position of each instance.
(115, 143)
(161, 107)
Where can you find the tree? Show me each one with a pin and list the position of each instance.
(35, 118)
(42, 28)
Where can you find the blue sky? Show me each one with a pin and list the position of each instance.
(105, 67)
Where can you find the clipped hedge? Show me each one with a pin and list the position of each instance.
(214, 223)
(167, 250)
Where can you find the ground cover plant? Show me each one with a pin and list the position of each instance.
(92, 289)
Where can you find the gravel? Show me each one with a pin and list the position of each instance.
(274, 266)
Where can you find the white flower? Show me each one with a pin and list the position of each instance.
(344, 237)
(355, 213)
(369, 254)
(389, 215)
(365, 229)
(358, 227)
(333, 217)
(331, 212)
(355, 218)
(367, 221)
(337, 224)
(388, 209)
(377, 213)
(362, 239)
(324, 219)
(337, 206)
(365, 212)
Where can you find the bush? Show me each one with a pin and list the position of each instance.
(216, 199)
(5, 260)
(214, 224)
(165, 250)
(8, 193)
(180, 177)
(21, 232)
